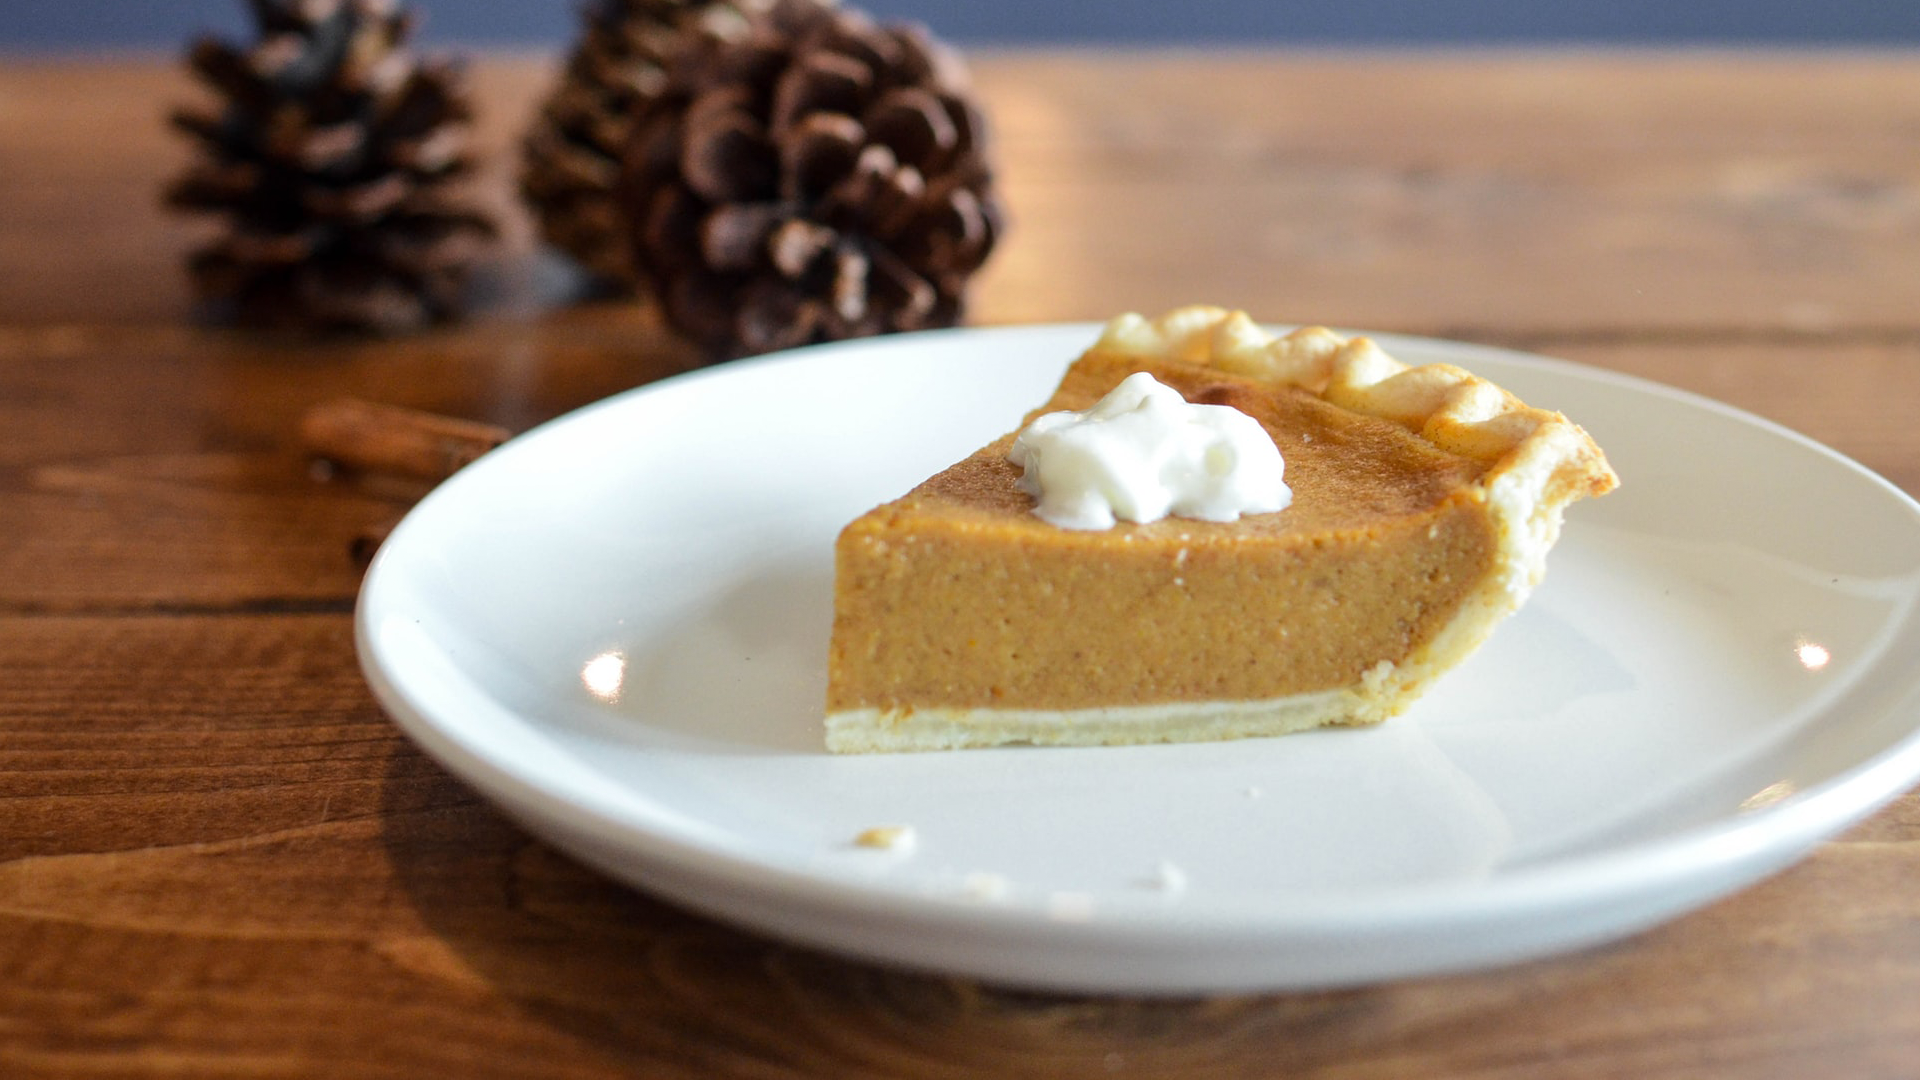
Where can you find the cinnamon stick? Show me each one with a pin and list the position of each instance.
(369, 437)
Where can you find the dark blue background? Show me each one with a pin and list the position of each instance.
(78, 25)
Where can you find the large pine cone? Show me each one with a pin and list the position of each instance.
(333, 157)
(572, 153)
(818, 178)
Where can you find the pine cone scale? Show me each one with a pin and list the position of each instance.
(670, 225)
(727, 157)
(266, 249)
(733, 236)
(365, 203)
(847, 201)
(821, 151)
(227, 72)
(915, 126)
(700, 305)
(334, 149)
(849, 289)
(898, 287)
(797, 245)
(568, 172)
(772, 317)
(422, 105)
(440, 152)
(820, 83)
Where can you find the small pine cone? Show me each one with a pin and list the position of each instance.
(571, 155)
(333, 158)
(818, 178)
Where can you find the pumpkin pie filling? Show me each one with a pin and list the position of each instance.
(964, 619)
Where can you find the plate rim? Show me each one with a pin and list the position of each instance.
(1776, 834)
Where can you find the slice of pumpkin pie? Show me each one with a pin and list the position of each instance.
(1129, 568)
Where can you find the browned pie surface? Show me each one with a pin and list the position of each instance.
(959, 596)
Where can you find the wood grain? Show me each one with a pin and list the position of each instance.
(217, 858)
(1427, 193)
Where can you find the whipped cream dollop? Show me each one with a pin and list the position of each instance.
(1143, 453)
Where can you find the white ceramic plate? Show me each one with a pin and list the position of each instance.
(615, 627)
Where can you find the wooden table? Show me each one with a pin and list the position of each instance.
(218, 858)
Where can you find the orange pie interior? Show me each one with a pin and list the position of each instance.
(1425, 500)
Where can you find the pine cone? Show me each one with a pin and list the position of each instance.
(818, 178)
(572, 153)
(333, 158)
